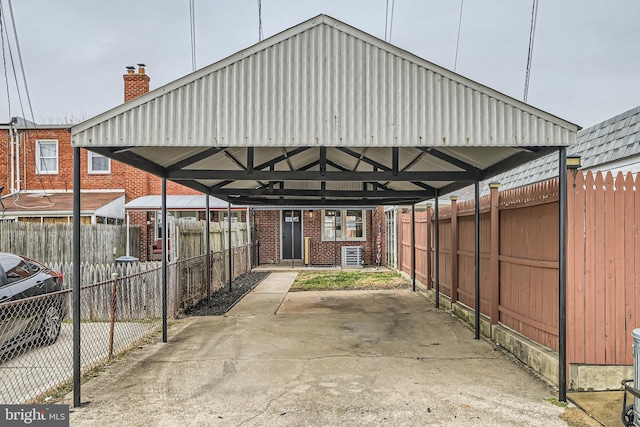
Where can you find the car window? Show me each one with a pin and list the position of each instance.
(15, 269)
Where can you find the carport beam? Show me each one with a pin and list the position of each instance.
(207, 242)
(165, 230)
(229, 242)
(562, 274)
(477, 259)
(76, 278)
(437, 248)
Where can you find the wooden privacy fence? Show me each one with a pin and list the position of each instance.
(519, 261)
(49, 243)
(138, 286)
(188, 237)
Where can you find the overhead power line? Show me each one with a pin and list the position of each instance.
(455, 63)
(260, 34)
(192, 21)
(532, 36)
(388, 22)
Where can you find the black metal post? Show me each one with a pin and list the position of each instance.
(76, 278)
(165, 232)
(477, 259)
(413, 246)
(562, 275)
(229, 242)
(437, 249)
(207, 245)
(293, 252)
(335, 238)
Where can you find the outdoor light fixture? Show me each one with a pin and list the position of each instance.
(573, 164)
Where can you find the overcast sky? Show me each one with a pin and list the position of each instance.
(586, 60)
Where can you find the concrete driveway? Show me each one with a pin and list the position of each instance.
(318, 359)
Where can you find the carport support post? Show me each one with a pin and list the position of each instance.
(413, 246)
(562, 274)
(477, 259)
(207, 246)
(229, 242)
(76, 277)
(165, 231)
(436, 237)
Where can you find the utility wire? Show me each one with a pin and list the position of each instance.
(388, 22)
(192, 21)
(455, 63)
(260, 34)
(532, 35)
(24, 79)
(4, 59)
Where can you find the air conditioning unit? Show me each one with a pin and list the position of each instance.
(352, 256)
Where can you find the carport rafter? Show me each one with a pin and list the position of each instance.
(281, 201)
(195, 158)
(318, 176)
(329, 193)
(451, 160)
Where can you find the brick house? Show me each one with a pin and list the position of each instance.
(37, 174)
(38, 160)
(351, 236)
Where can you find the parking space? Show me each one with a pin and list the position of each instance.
(408, 364)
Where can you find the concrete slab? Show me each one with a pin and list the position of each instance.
(278, 283)
(410, 366)
(604, 406)
(402, 301)
(256, 303)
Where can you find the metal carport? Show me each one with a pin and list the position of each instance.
(325, 114)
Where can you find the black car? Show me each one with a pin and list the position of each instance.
(31, 305)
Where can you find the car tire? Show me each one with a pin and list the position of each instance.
(51, 325)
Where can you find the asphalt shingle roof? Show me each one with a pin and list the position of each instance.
(611, 140)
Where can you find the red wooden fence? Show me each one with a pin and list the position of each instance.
(519, 277)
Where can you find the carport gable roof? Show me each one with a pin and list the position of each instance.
(324, 113)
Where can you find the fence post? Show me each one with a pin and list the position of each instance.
(494, 252)
(454, 249)
(429, 252)
(399, 241)
(114, 293)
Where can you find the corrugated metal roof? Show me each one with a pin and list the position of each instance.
(324, 83)
(177, 203)
(324, 113)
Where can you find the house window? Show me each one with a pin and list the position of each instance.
(47, 157)
(236, 216)
(345, 224)
(99, 163)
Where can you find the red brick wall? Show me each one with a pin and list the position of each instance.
(134, 182)
(268, 234)
(135, 84)
(321, 252)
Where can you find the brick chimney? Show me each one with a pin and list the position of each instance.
(135, 83)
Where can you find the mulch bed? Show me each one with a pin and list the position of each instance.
(222, 300)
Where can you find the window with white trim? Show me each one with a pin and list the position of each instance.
(47, 156)
(99, 163)
(345, 224)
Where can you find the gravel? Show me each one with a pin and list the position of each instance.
(222, 300)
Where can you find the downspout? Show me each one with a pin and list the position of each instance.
(13, 160)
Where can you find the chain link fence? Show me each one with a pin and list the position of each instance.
(36, 334)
